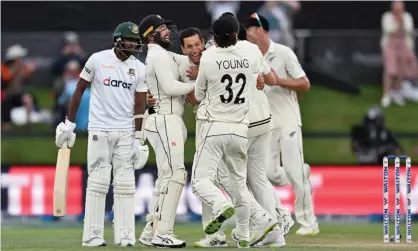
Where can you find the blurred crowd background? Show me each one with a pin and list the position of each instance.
(361, 58)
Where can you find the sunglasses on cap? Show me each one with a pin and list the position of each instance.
(255, 16)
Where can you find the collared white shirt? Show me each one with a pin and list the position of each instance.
(163, 76)
(283, 101)
(113, 86)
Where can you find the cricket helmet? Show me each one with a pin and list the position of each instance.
(151, 22)
(127, 31)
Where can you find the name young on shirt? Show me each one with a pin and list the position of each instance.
(233, 64)
(116, 83)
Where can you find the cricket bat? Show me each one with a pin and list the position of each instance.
(61, 180)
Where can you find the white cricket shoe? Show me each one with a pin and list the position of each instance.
(286, 223)
(386, 101)
(146, 236)
(311, 230)
(397, 98)
(263, 227)
(126, 243)
(240, 243)
(95, 242)
(219, 217)
(168, 240)
(274, 239)
(212, 241)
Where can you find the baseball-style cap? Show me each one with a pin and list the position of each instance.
(223, 28)
(257, 21)
(15, 51)
(242, 34)
(150, 23)
(231, 18)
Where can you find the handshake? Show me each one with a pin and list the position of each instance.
(65, 136)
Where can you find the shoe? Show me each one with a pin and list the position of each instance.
(216, 222)
(212, 241)
(397, 98)
(145, 241)
(409, 91)
(127, 243)
(168, 240)
(265, 226)
(386, 101)
(314, 230)
(286, 223)
(95, 242)
(240, 244)
(274, 239)
(146, 236)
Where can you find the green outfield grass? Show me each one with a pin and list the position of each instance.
(41, 151)
(323, 110)
(332, 237)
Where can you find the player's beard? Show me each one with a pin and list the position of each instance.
(162, 42)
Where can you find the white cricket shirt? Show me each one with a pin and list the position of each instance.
(162, 73)
(259, 114)
(184, 64)
(113, 86)
(225, 79)
(283, 101)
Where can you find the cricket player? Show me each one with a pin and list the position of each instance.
(286, 137)
(165, 131)
(115, 140)
(219, 239)
(258, 137)
(225, 78)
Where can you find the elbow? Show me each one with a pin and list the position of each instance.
(199, 96)
(306, 85)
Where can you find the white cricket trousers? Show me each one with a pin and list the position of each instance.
(207, 210)
(167, 135)
(226, 141)
(286, 144)
(262, 199)
(109, 151)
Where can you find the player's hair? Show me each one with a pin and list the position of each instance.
(189, 32)
(226, 41)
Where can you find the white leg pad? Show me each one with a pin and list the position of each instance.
(169, 200)
(95, 206)
(124, 206)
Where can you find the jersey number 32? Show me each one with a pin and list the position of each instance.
(228, 79)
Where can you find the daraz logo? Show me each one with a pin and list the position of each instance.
(116, 83)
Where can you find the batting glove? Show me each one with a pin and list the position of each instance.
(141, 152)
(65, 134)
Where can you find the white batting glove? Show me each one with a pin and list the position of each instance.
(141, 153)
(65, 133)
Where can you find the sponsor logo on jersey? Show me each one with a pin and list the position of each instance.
(131, 72)
(87, 70)
(116, 83)
(107, 66)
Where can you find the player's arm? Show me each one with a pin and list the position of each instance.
(200, 86)
(141, 150)
(268, 75)
(166, 80)
(299, 81)
(86, 76)
(140, 102)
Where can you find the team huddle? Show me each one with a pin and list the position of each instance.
(248, 132)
